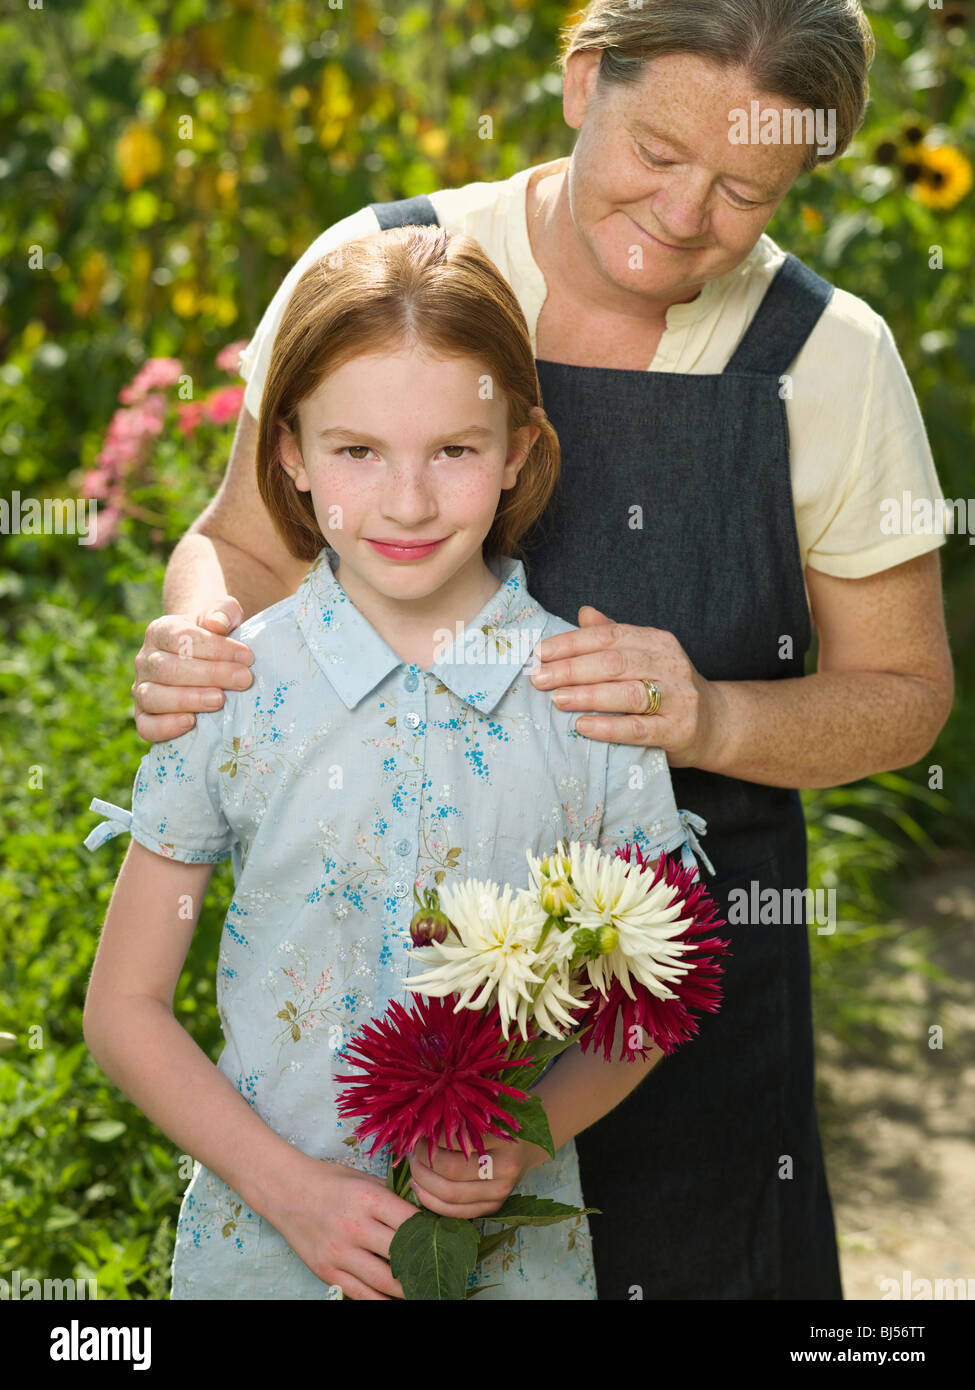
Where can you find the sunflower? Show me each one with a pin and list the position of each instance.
(944, 176)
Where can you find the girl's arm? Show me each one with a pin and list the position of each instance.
(583, 1087)
(132, 1034)
(339, 1221)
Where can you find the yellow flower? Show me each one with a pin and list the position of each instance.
(945, 176)
(433, 142)
(185, 301)
(138, 154)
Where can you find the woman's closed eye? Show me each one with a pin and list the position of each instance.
(656, 162)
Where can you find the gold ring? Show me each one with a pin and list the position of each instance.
(653, 696)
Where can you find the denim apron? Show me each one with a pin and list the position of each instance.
(710, 1175)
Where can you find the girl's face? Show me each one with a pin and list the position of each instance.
(405, 456)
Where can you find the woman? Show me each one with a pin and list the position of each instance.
(729, 424)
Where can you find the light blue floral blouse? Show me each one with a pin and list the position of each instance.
(342, 778)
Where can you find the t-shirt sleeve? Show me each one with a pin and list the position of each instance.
(890, 457)
(640, 808)
(177, 810)
(256, 357)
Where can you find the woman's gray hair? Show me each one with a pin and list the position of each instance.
(815, 53)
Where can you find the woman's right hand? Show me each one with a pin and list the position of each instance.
(184, 665)
(340, 1222)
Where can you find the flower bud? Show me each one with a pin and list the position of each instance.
(428, 926)
(586, 942)
(607, 939)
(557, 896)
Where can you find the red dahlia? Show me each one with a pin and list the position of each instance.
(429, 1074)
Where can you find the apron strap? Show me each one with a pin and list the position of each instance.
(406, 212)
(789, 311)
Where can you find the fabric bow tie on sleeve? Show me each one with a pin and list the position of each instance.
(694, 825)
(119, 821)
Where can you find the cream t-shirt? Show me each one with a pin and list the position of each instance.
(856, 432)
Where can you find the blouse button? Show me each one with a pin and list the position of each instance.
(411, 681)
(412, 720)
(402, 846)
(401, 889)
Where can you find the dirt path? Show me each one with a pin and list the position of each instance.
(898, 1120)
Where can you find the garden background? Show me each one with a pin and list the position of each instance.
(129, 235)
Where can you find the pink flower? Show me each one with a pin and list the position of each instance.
(96, 482)
(430, 1074)
(128, 430)
(666, 1022)
(228, 356)
(106, 525)
(188, 416)
(224, 404)
(157, 372)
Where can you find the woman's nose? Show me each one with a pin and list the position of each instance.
(681, 207)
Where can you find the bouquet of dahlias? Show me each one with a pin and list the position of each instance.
(598, 939)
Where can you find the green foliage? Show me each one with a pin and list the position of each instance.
(433, 1255)
(89, 1188)
(162, 239)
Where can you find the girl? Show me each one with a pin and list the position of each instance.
(391, 740)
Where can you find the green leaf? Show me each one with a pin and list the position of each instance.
(541, 1051)
(532, 1122)
(524, 1210)
(433, 1255)
(104, 1131)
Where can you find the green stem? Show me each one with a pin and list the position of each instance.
(541, 983)
(550, 921)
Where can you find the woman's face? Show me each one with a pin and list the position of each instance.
(405, 447)
(659, 195)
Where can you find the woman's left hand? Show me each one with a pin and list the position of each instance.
(600, 666)
(475, 1186)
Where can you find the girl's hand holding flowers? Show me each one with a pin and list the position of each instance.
(475, 1186)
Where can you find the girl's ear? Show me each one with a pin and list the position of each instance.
(289, 455)
(521, 446)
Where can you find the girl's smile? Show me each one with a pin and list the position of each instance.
(405, 550)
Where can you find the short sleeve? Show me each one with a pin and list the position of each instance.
(640, 808)
(176, 810)
(868, 529)
(256, 357)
